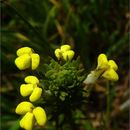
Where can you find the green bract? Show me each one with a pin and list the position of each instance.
(62, 79)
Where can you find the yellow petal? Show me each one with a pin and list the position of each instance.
(27, 121)
(31, 80)
(58, 53)
(24, 107)
(110, 74)
(68, 55)
(23, 62)
(65, 48)
(40, 116)
(102, 62)
(26, 89)
(35, 60)
(36, 94)
(113, 64)
(24, 50)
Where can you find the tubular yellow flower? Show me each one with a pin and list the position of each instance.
(65, 48)
(31, 80)
(58, 53)
(40, 116)
(26, 89)
(105, 68)
(68, 55)
(64, 53)
(36, 94)
(27, 58)
(31, 88)
(23, 62)
(27, 121)
(24, 107)
(35, 61)
(102, 62)
(24, 50)
(32, 115)
(112, 64)
(110, 74)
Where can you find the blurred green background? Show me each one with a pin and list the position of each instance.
(91, 27)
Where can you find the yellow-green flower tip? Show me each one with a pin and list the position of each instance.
(110, 74)
(68, 55)
(24, 50)
(35, 60)
(23, 62)
(31, 80)
(102, 62)
(26, 89)
(40, 116)
(112, 64)
(36, 94)
(27, 121)
(58, 53)
(65, 48)
(24, 107)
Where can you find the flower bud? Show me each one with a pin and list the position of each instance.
(112, 64)
(26, 89)
(36, 94)
(68, 55)
(102, 62)
(31, 80)
(23, 62)
(110, 74)
(35, 60)
(40, 116)
(24, 107)
(24, 50)
(27, 121)
(58, 53)
(65, 48)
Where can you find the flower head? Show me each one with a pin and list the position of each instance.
(105, 68)
(108, 67)
(31, 114)
(64, 52)
(31, 88)
(27, 58)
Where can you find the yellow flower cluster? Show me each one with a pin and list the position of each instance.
(105, 68)
(109, 67)
(32, 115)
(31, 88)
(64, 52)
(27, 58)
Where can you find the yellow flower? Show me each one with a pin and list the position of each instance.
(110, 74)
(105, 68)
(38, 113)
(27, 121)
(102, 62)
(68, 55)
(65, 48)
(31, 88)
(64, 52)
(109, 68)
(27, 58)
(24, 107)
(58, 54)
(31, 114)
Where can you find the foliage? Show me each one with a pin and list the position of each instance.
(91, 27)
